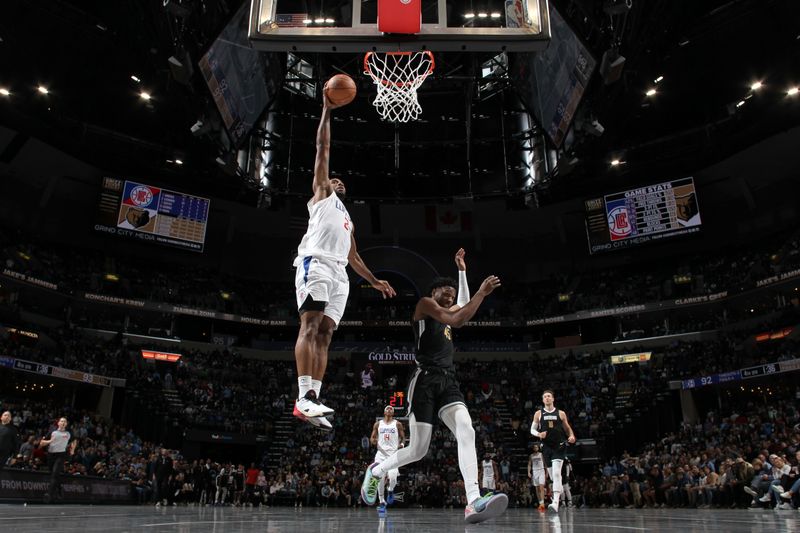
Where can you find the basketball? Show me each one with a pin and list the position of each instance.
(341, 89)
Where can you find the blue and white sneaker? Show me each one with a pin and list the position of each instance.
(369, 487)
(382, 510)
(389, 497)
(486, 507)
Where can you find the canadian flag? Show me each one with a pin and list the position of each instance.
(446, 219)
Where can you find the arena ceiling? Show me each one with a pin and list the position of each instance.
(710, 53)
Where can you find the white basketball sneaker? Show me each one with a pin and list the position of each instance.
(321, 422)
(310, 407)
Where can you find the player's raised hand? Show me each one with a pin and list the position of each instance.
(460, 259)
(326, 102)
(489, 284)
(385, 289)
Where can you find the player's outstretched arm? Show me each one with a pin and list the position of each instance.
(362, 270)
(401, 432)
(428, 307)
(321, 185)
(463, 286)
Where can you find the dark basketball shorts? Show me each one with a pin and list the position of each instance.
(430, 391)
(551, 453)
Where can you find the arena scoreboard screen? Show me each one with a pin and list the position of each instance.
(642, 215)
(144, 212)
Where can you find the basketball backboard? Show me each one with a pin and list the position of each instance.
(351, 26)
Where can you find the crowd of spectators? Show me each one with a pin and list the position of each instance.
(750, 457)
(104, 448)
(205, 288)
(317, 468)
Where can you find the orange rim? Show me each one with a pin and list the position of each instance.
(397, 83)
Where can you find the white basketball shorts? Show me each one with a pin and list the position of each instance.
(325, 281)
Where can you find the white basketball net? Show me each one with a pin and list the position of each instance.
(398, 75)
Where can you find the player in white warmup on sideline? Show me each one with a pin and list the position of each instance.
(388, 435)
(537, 474)
(489, 472)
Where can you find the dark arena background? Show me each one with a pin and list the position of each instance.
(629, 169)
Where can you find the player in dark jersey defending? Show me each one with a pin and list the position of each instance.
(433, 392)
(550, 424)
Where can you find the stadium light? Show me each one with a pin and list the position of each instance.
(740, 103)
(495, 15)
(308, 21)
(793, 91)
(615, 162)
(4, 91)
(178, 162)
(42, 89)
(469, 15)
(650, 92)
(320, 21)
(145, 96)
(135, 78)
(483, 15)
(756, 86)
(659, 79)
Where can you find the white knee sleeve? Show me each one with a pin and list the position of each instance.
(381, 487)
(555, 473)
(457, 419)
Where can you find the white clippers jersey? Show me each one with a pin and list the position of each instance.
(388, 437)
(488, 469)
(537, 461)
(328, 233)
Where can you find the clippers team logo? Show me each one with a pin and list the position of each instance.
(141, 196)
(619, 223)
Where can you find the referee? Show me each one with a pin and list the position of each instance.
(58, 446)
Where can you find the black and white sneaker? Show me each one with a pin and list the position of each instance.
(310, 407)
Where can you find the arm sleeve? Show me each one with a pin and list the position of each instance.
(534, 431)
(463, 289)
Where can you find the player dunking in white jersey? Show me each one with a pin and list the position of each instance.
(388, 435)
(321, 282)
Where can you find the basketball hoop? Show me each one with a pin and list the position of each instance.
(398, 75)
